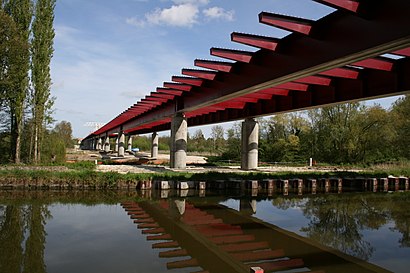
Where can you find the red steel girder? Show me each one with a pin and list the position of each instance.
(156, 99)
(315, 80)
(231, 104)
(162, 95)
(246, 99)
(202, 74)
(178, 86)
(255, 40)
(235, 55)
(258, 95)
(140, 105)
(285, 22)
(169, 91)
(275, 91)
(375, 63)
(403, 52)
(214, 65)
(188, 80)
(344, 4)
(293, 86)
(150, 102)
(347, 73)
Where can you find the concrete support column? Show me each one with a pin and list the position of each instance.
(154, 145)
(99, 144)
(107, 144)
(250, 140)
(129, 147)
(179, 133)
(121, 144)
(117, 140)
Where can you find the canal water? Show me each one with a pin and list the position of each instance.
(190, 231)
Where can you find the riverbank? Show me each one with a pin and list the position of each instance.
(132, 177)
(88, 170)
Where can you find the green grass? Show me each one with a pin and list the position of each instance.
(81, 165)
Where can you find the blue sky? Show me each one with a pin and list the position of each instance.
(109, 54)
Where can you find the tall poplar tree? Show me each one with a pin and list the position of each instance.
(21, 12)
(42, 52)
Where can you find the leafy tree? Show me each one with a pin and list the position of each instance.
(14, 66)
(64, 131)
(335, 129)
(42, 52)
(233, 143)
(197, 142)
(217, 136)
(376, 135)
(53, 148)
(163, 143)
(400, 118)
(141, 142)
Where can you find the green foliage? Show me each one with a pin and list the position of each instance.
(197, 142)
(64, 131)
(233, 144)
(14, 67)
(5, 147)
(54, 148)
(19, 59)
(42, 52)
(400, 119)
(141, 142)
(81, 165)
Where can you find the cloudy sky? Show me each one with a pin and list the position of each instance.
(109, 54)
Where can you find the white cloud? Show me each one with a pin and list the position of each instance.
(192, 2)
(184, 15)
(219, 13)
(135, 22)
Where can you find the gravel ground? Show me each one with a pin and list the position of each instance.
(163, 159)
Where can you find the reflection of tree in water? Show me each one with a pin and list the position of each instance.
(401, 216)
(286, 203)
(11, 238)
(337, 220)
(23, 224)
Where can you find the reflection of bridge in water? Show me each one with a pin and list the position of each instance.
(207, 237)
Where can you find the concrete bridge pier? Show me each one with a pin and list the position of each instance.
(99, 144)
(121, 144)
(179, 133)
(107, 144)
(94, 144)
(154, 145)
(249, 147)
(129, 147)
(117, 139)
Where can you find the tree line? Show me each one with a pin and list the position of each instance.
(26, 49)
(351, 133)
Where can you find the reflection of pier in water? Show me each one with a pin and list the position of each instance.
(211, 238)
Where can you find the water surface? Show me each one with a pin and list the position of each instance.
(87, 231)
